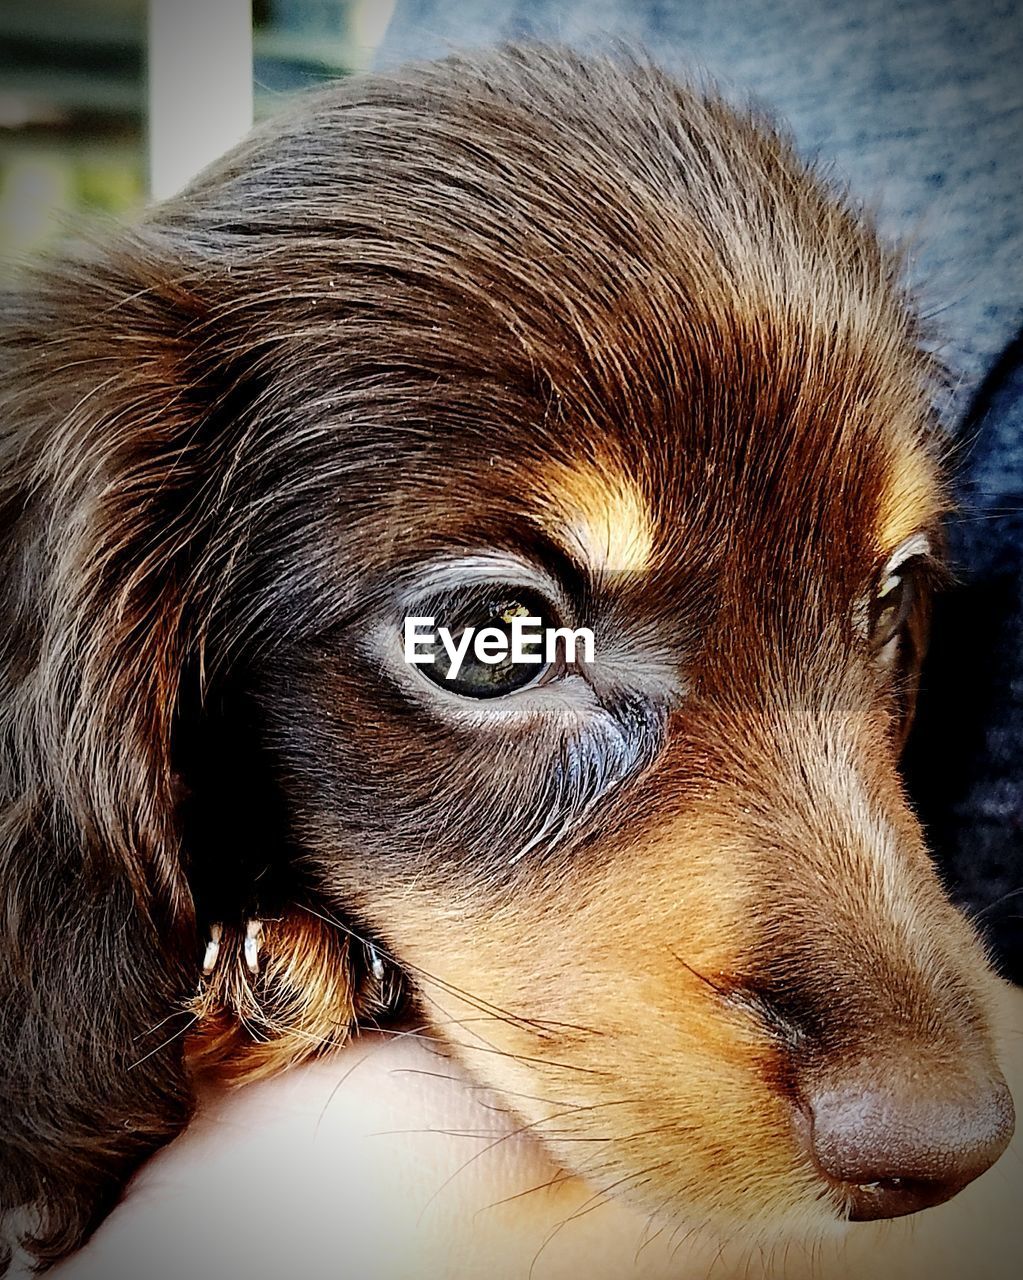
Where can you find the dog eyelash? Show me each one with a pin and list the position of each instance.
(891, 608)
(901, 585)
(925, 571)
(915, 555)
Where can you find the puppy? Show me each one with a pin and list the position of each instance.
(517, 335)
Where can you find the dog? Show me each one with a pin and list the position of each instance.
(525, 333)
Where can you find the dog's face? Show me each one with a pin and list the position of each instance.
(541, 337)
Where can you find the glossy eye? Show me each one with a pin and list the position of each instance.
(891, 607)
(473, 646)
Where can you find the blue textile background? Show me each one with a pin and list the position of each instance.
(918, 104)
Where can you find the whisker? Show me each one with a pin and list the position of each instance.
(697, 974)
(528, 1127)
(478, 1085)
(992, 906)
(164, 1043)
(541, 1025)
(484, 1047)
(602, 1199)
(343, 1080)
(144, 1035)
(561, 1176)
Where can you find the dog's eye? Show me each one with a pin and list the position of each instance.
(490, 644)
(891, 608)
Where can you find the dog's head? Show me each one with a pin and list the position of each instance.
(522, 335)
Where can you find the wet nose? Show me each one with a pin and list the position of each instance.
(890, 1149)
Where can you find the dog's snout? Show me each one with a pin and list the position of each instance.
(895, 1147)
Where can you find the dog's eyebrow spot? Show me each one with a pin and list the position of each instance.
(913, 496)
(602, 518)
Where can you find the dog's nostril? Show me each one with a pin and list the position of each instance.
(891, 1151)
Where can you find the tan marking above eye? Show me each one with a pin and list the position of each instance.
(914, 496)
(602, 518)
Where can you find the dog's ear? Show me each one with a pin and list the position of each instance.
(97, 952)
(125, 536)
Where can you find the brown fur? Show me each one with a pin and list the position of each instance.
(571, 311)
(302, 1000)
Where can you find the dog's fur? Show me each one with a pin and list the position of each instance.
(530, 303)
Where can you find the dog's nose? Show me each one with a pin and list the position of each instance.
(893, 1149)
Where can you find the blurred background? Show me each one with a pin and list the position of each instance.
(74, 94)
